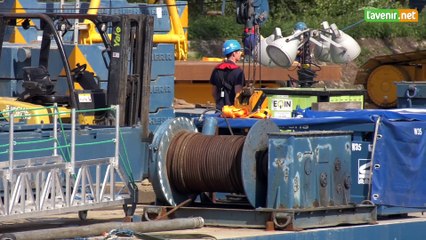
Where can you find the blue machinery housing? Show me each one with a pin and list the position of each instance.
(375, 133)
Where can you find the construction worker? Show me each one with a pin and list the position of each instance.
(303, 59)
(304, 51)
(301, 26)
(228, 78)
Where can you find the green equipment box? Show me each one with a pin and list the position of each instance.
(283, 101)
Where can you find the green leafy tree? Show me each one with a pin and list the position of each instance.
(347, 14)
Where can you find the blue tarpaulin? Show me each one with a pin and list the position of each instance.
(308, 117)
(393, 114)
(399, 164)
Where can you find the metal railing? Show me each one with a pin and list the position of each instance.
(50, 185)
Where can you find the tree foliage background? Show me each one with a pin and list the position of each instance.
(347, 14)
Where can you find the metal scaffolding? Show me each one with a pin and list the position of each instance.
(41, 186)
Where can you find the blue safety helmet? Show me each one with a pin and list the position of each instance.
(230, 46)
(300, 26)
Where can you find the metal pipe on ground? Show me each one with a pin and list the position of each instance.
(100, 228)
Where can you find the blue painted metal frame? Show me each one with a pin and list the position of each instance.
(411, 94)
(158, 167)
(261, 217)
(159, 117)
(162, 93)
(131, 143)
(158, 11)
(256, 141)
(309, 169)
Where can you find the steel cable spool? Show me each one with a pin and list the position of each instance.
(158, 169)
(199, 163)
(178, 145)
(185, 163)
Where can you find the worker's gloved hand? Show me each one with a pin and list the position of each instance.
(234, 112)
(261, 114)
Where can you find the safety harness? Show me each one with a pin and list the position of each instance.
(225, 87)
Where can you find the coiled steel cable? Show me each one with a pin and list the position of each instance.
(199, 163)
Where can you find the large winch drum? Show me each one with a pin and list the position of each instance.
(185, 163)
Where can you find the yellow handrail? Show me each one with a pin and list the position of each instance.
(176, 35)
(90, 35)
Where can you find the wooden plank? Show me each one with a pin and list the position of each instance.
(201, 71)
